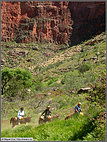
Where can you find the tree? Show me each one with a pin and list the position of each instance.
(14, 81)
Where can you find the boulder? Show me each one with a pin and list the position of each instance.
(35, 48)
(83, 90)
(29, 60)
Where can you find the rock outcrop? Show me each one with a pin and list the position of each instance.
(58, 22)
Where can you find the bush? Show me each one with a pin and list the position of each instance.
(37, 83)
(52, 80)
(84, 67)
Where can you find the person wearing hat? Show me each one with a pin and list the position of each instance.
(78, 108)
(47, 112)
(20, 114)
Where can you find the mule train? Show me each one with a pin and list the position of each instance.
(24, 120)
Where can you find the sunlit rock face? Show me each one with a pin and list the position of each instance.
(58, 22)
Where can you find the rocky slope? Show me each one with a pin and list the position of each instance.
(58, 22)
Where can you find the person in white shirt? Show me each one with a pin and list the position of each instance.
(20, 114)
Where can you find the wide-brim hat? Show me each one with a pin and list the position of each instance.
(79, 103)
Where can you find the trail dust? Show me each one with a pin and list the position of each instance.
(5, 124)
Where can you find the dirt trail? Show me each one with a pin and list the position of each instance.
(68, 53)
(57, 58)
(5, 124)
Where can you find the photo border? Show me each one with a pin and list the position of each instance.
(59, 1)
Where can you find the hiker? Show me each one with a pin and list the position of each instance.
(20, 114)
(47, 112)
(78, 108)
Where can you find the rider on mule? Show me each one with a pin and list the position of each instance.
(47, 112)
(20, 114)
(78, 108)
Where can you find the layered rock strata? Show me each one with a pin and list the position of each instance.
(58, 22)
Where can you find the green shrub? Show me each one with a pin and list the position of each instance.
(51, 80)
(84, 67)
(37, 85)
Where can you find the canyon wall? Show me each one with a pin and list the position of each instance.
(58, 22)
(89, 20)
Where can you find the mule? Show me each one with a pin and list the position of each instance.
(24, 120)
(14, 121)
(44, 120)
(69, 115)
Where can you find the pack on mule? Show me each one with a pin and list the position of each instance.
(24, 120)
(42, 119)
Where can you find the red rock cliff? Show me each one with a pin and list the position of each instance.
(10, 17)
(57, 22)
